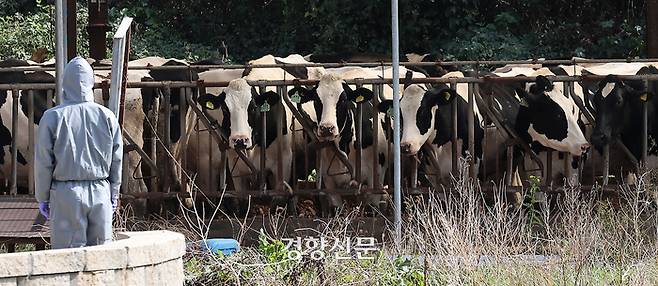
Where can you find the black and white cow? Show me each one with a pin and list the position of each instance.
(335, 102)
(238, 108)
(618, 105)
(426, 121)
(542, 116)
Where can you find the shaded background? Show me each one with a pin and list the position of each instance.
(238, 30)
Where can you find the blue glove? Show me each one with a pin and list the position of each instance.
(44, 209)
(115, 204)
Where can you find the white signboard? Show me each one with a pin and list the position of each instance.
(118, 58)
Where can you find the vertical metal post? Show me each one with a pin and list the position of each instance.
(645, 126)
(396, 122)
(471, 129)
(182, 120)
(71, 29)
(453, 115)
(30, 139)
(167, 139)
(358, 123)
(549, 167)
(49, 98)
(263, 141)
(568, 171)
(375, 143)
(606, 163)
(510, 165)
(279, 133)
(60, 46)
(14, 135)
(105, 91)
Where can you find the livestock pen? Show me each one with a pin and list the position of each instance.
(170, 179)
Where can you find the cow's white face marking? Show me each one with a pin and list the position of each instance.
(575, 142)
(329, 91)
(409, 105)
(238, 98)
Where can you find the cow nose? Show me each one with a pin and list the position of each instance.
(240, 143)
(405, 148)
(326, 130)
(584, 148)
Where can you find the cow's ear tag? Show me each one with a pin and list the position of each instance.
(210, 105)
(360, 99)
(644, 97)
(296, 98)
(446, 95)
(265, 107)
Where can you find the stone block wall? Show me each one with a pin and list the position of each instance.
(136, 258)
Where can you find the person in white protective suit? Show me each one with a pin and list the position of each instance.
(77, 163)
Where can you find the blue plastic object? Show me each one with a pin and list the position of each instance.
(226, 246)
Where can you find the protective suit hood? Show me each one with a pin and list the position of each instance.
(78, 82)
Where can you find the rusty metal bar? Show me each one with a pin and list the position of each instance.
(279, 132)
(358, 123)
(262, 179)
(549, 167)
(105, 92)
(453, 115)
(361, 64)
(30, 139)
(376, 184)
(182, 120)
(49, 98)
(413, 169)
(606, 163)
(510, 165)
(14, 145)
(567, 165)
(645, 128)
(167, 140)
(145, 158)
(471, 129)
(179, 84)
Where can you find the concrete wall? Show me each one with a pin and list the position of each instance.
(135, 258)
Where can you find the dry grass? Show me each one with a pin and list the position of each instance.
(460, 239)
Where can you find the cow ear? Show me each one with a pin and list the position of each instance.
(385, 106)
(212, 102)
(442, 96)
(542, 84)
(360, 95)
(302, 95)
(270, 97)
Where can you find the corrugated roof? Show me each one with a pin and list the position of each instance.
(20, 218)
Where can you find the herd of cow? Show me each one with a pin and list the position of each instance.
(542, 113)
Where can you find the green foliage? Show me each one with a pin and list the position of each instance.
(23, 34)
(247, 29)
(534, 214)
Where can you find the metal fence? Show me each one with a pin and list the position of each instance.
(205, 123)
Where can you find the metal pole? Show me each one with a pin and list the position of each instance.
(60, 46)
(645, 128)
(453, 136)
(396, 122)
(14, 147)
(30, 139)
(471, 129)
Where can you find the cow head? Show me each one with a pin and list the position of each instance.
(241, 106)
(547, 116)
(418, 108)
(615, 101)
(332, 99)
